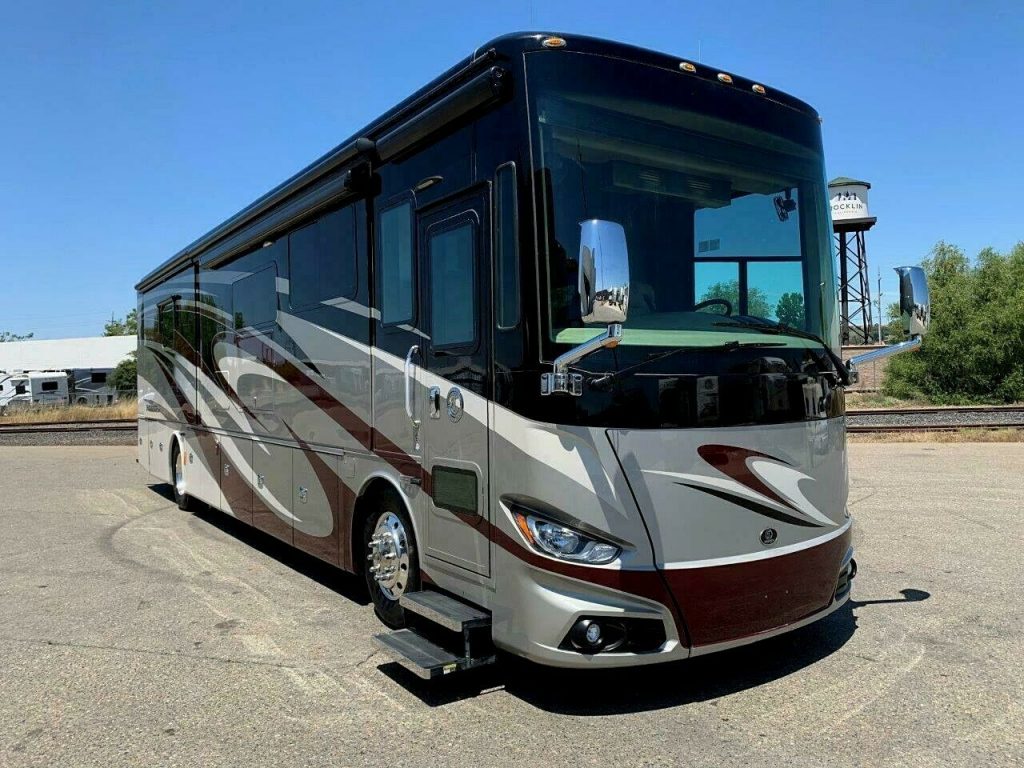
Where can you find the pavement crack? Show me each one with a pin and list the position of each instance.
(358, 664)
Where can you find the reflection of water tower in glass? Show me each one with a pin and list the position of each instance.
(848, 199)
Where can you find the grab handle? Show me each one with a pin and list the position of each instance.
(408, 385)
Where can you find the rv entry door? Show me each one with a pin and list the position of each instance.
(454, 268)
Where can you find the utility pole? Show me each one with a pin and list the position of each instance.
(880, 339)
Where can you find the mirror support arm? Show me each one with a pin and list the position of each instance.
(560, 380)
(878, 354)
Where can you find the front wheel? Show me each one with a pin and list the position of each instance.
(391, 567)
(181, 498)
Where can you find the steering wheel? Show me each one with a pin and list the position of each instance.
(713, 302)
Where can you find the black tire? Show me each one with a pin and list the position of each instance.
(385, 606)
(185, 502)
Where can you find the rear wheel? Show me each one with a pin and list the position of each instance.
(181, 498)
(391, 560)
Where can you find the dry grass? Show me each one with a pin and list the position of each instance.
(123, 410)
(961, 436)
(855, 400)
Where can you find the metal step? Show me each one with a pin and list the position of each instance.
(444, 610)
(422, 657)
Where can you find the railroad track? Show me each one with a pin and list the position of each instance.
(937, 409)
(97, 425)
(885, 428)
(935, 419)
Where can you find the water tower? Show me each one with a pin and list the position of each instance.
(848, 199)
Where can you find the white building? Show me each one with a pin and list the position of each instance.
(88, 362)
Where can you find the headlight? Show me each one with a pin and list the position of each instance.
(563, 542)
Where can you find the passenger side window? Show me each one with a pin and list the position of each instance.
(254, 298)
(165, 323)
(322, 260)
(780, 286)
(396, 264)
(453, 304)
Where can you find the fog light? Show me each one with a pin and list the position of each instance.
(587, 636)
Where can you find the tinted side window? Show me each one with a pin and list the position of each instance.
(254, 298)
(453, 309)
(49, 386)
(322, 260)
(506, 246)
(396, 266)
(98, 378)
(165, 323)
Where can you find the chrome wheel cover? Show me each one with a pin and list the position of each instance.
(389, 555)
(179, 473)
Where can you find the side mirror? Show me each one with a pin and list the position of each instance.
(603, 272)
(916, 311)
(915, 307)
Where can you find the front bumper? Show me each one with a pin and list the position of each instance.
(734, 604)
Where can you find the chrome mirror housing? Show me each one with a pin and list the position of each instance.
(604, 298)
(916, 310)
(915, 305)
(603, 272)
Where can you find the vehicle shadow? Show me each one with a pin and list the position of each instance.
(347, 585)
(639, 689)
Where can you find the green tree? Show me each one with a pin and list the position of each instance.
(893, 331)
(790, 309)
(127, 327)
(974, 350)
(125, 377)
(757, 301)
(8, 336)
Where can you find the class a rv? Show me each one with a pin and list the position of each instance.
(29, 388)
(547, 353)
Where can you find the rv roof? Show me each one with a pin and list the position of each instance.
(363, 140)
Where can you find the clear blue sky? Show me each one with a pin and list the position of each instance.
(129, 128)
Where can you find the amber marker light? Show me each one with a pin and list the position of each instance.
(758, 89)
(724, 78)
(524, 526)
(554, 42)
(687, 66)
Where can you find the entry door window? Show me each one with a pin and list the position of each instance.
(453, 303)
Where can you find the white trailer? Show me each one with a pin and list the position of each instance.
(24, 389)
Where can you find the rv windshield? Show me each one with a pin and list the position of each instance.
(720, 193)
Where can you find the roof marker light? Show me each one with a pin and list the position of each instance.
(553, 42)
(687, 66)
(758, 89)
(724, 78)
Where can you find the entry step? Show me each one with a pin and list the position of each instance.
(422, 657)
(445, 611)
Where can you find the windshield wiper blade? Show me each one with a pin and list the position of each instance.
(728, 346)
(781, 329)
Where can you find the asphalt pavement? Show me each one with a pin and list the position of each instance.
(133, 634)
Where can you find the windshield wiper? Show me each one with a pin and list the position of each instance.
(728, 346)
(781, 329)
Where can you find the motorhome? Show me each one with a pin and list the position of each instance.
(91, 386)
(548, 353)
(25, 389)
